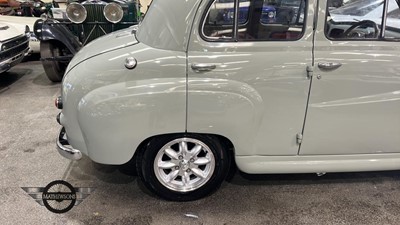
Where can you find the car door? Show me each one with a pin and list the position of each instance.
(249, 83)
(354, 105)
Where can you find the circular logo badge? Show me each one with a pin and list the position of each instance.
(59, 196)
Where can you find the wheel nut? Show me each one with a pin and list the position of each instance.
(192, 160)
(180, 157)
(188, 170)
(177, 167)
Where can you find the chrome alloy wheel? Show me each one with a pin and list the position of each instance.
(184, 164)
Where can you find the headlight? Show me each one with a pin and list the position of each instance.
(113, 12)
(76, 12)
(44, 16)
(271, 14)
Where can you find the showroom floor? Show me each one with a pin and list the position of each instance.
(28, 159)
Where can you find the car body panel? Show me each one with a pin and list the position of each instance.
(115, 40)
(130, 111)
(10, 30)
(354, 109)
(133, 96)
(317, 163)
(275, 86)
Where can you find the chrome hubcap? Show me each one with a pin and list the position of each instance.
(184, 164)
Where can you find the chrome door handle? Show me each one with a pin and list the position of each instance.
(329, 65)
(203, 67)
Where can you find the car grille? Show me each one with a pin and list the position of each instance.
(14, 47)
(13, 42)
(96, 24)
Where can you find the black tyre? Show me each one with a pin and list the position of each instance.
(54, 69)
(183, 167)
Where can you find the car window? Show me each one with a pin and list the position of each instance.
(394, 14)
(361, 19)
(392, 29)
(220, 19)
(257, 20)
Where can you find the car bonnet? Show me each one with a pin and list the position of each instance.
(10, 30)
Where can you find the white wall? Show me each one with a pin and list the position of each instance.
(144, 4)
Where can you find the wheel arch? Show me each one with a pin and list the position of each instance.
(50, 30)
(224, 141)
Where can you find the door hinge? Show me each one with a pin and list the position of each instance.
(310, 72)
(299, 138)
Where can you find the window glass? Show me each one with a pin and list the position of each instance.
(243, 11)
(392, 29)
(257, 20)
(220, 19)
(354, 19)
(274, 20)
(395, 14)
(355, 8)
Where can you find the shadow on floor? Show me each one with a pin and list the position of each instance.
(12, 76)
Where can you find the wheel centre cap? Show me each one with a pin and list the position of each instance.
(184, 164)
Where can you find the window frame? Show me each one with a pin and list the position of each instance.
(203, 21)
(236, 28)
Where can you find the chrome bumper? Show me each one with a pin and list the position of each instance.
(65, 149)
(10, 62)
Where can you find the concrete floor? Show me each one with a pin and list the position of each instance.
(28, 159)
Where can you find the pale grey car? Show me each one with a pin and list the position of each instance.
(185, 97)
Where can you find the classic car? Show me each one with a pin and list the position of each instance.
(62, 36)
(185, 101)
(25, 21)
(14, 44)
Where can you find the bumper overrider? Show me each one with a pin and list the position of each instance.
(65, 149)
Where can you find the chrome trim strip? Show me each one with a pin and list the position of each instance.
(25, 39)
(6, 64)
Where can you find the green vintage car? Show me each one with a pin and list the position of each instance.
(63, 35)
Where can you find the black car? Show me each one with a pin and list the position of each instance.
(62, 36)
